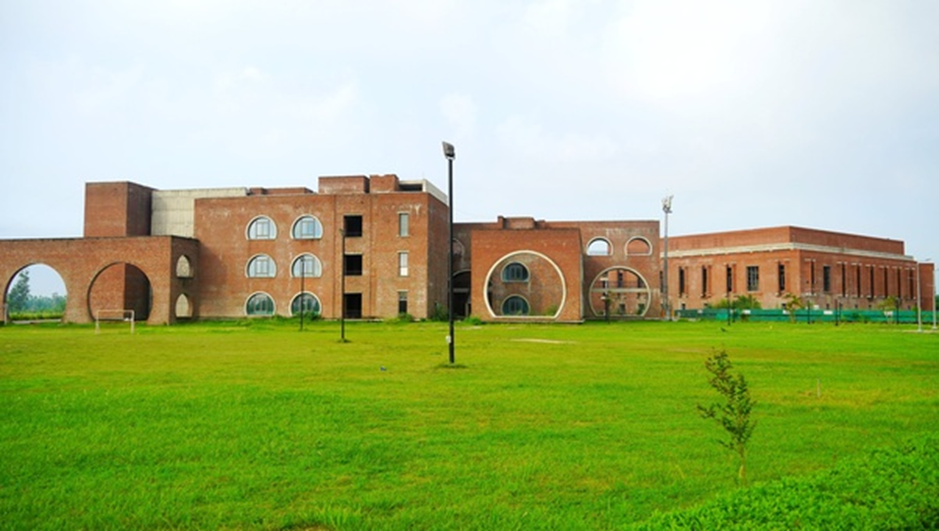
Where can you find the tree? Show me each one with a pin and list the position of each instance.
(743, 302)
(18, 297)
(733, 414)
(793, 304)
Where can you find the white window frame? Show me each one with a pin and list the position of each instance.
(316, 269)
(403, 264)
(404, 224)
(317, 228)
(252, 232)
(251, 270)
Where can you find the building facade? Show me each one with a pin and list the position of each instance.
(376, 247)
(773, 265)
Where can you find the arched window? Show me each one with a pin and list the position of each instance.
(261, 266)
(183, 267)
(638, 245)
(311, 305)
(259, 304)
(262, 228)
(515, 305)
(599, 247)
(183, 307)
(515, 272)
(307, 228)
(307, 265)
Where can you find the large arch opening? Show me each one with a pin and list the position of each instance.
(120, 286)
(525, 284)
(35, 293)
(619, 292)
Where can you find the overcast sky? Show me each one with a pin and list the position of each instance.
(818, 113)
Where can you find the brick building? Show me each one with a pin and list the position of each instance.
(824, 268)
(377, 246)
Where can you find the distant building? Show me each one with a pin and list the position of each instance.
(376, 246)
(771, 265)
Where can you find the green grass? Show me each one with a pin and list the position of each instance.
(254, 425)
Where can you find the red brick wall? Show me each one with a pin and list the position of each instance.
(801, 251)
(117, 209)
(80, 261)
(561, 246)
(221, 224)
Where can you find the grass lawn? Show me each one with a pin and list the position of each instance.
(260, 426)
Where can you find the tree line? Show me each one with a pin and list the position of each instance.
(20, 300)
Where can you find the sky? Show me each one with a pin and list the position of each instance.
(822, 114)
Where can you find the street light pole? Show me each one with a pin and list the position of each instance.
(450, 153)
(342, 288)
(302, 297)
(667, 208)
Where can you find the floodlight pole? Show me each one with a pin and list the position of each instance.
(919, 303)
(667, 208)
(450, 153)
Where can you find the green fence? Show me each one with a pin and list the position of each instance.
(809, 316)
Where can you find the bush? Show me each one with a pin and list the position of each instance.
(473, 320)
(440, 313)
(891, 489)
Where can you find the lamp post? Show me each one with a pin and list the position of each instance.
(342, 289)
(450, 153)
(667, 208)
(302, 297)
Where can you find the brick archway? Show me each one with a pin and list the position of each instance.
(80, 260)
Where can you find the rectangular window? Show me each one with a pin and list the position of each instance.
(753, 278)
(857, 280)
(263, 229)
(403, 264)
(352, 226)
(352, 265)
(871, 289)
(826, 278)
(704, 281)
(782, 277)
(844, 280)
(730, 279)
(402, 302)
(681, 281)
(404, 220)
(352, 305)
(812, 277)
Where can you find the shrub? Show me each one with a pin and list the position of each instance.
(889, 489)
(440, 313)
(734, 413)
